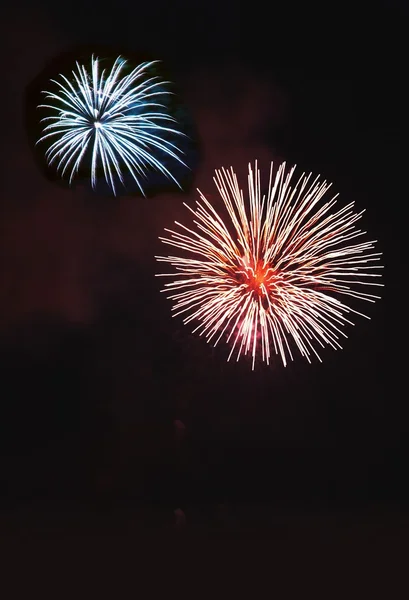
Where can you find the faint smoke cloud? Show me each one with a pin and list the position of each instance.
(55, 242)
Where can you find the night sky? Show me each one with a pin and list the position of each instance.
(109, 404)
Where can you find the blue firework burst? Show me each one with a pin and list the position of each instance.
(113, 119)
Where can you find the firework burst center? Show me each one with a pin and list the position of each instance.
(257, 278)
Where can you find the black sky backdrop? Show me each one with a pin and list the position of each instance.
(96, 375)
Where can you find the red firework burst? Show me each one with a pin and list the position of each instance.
(274, 270)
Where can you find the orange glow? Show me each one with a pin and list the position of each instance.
(257, 277)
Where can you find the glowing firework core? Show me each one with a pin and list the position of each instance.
(257, 279)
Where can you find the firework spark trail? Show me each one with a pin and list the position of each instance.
(270, 281)
(117, 116)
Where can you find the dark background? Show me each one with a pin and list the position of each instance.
(111, 414)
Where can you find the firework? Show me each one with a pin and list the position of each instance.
(269, 274)
(113, 119)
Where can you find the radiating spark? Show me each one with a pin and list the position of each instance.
(269, 277)
(116, 117)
